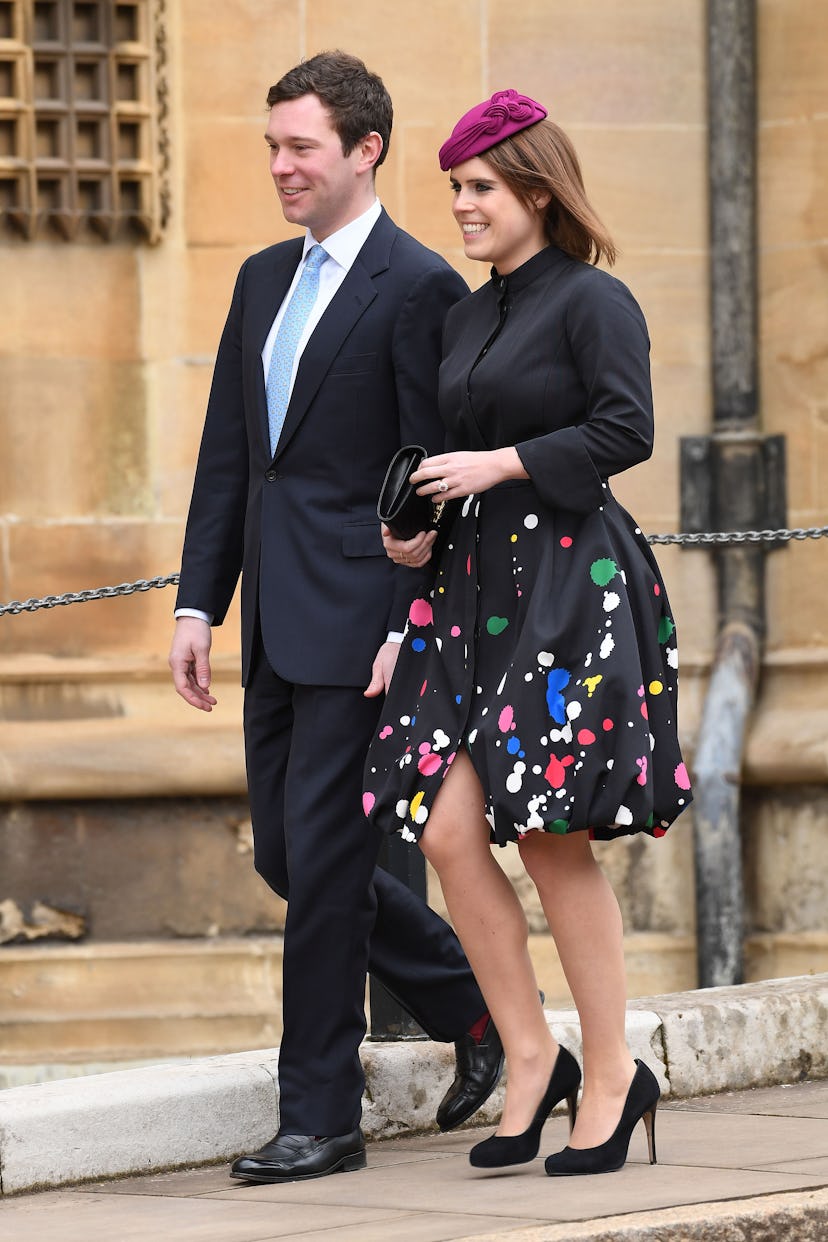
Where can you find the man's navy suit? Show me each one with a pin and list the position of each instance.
(318, 599)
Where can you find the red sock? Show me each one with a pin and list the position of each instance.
(479, 1027)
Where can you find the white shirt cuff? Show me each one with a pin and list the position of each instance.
(194, 612)
(394, 637)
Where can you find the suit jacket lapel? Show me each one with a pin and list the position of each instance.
(354, 295)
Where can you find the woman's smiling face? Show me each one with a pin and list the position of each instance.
(497, 228)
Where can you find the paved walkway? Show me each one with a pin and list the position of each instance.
(732, 1167)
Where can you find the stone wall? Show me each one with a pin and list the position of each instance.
(105, 365)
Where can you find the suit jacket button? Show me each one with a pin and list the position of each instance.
(271, 476)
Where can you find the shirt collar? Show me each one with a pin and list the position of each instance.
(344, 245)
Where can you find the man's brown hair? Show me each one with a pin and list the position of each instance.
(356, 99)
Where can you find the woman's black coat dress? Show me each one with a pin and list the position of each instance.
(546, 645)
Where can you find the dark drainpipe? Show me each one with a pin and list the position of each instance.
(730, 482)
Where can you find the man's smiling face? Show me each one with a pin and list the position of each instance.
(318, 186)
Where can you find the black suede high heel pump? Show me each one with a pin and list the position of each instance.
(641, 1102)
(503, 1149)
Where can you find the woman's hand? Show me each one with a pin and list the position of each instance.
(414, 552)
(449, 476)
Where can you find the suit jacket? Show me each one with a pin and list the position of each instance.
(301, 525)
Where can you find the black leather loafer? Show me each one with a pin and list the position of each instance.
(298, 1157)
(479, 1067)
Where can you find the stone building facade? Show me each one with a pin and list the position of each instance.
(134, 182)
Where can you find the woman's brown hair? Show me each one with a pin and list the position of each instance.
(541, 160)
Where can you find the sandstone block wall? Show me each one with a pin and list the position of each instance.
(106, 356)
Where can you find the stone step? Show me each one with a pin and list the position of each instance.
(176, 1116)
(127, 1001)
(84, 1005)
(94, 1003)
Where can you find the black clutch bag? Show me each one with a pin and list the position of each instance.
(399, 507)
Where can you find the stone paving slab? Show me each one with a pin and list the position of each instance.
(799, 1099)
(775, 1218)
(175, 1116)
(731, 1169)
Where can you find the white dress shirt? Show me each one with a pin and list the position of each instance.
(342, 248)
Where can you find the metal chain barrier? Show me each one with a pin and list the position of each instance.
(83, 597)
(742, 536)
(708, 538)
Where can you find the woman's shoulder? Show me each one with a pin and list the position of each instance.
(587, 280)
(594, 291)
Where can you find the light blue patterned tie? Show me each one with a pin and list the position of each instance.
(287, 342)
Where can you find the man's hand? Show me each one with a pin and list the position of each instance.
(382, 670)
(414, 552)
(189, 660)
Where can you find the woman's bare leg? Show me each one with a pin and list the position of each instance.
(488, 918)
(583, 916)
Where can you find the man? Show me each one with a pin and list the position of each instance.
(327, 364)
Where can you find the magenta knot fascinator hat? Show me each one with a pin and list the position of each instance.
(506, 113)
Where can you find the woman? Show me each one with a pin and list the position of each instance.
(534, 697)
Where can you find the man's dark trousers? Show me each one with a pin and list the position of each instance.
(306, 747)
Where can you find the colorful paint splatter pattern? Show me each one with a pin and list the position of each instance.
(547, 649)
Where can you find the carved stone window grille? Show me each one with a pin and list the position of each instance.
(83, 142)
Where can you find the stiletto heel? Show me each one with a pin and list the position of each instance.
(572, 1107)
(649, 1126)
(504, 1149)
(640, 1104)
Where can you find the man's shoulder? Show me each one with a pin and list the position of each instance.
(419, 268)
(289, 250)
(407, 249)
